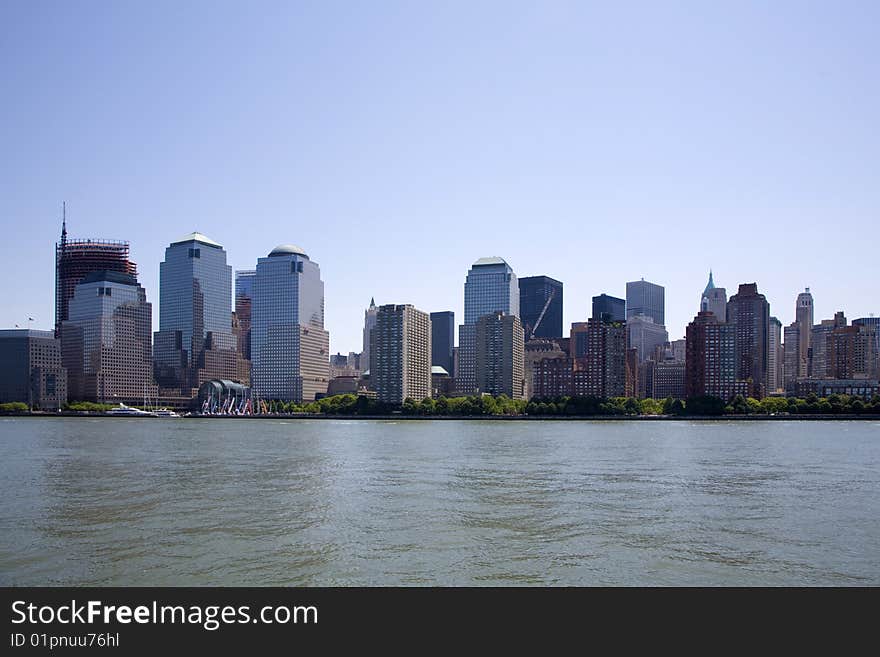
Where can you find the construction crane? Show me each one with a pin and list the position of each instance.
(541, 316)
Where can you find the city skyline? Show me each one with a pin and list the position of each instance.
(32, 320)
(727, 135)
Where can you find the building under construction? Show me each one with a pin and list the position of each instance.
(75, 258)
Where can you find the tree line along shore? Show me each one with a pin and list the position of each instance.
(502, 406)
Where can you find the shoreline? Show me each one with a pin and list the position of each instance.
(504, 418)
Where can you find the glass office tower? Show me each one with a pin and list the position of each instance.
(540, 304)
(105, 342)
(289, 346)
(490, 287)
(195, 315)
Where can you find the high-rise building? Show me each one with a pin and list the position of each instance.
(400, 354)
(644, 298)
(710, 362)
(443, 340)
(873, 322)
(645, 336)
(369, 323)
(76, 258)
(609, 309)
(852, 353)
(749, 313)
(535, 351)
(289, 346)
(804, 321)
(714, 300)
(540, 307)
(31, 370)
(819, 365)
(598, 351)
(244, 297)
(490, 287)
(195, 342)
(105, 341)
(775, 357)
(791, 356)
(499, 355)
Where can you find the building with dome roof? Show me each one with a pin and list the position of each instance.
(290, 350)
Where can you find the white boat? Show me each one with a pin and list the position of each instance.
(129, 411)
(165, 412)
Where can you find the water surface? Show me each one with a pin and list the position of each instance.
(297, 502)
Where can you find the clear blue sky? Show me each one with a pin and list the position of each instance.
(398, 142)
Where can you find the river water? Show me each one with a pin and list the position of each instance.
(106, 501)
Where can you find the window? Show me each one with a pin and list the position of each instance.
(195, 253)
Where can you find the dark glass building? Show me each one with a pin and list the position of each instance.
(609, 309)
(30, 369)
(644, 298)
(540, 306)
(443, 340)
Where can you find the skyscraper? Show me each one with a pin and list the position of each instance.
(608, 308)
(645, 336)
(105, 341)
(244, 296)
(75, 258)
(804, 320)
(442, 340)
(195, 342)
(289, 346)
(369, 323)
(775, 357)
(820, 367)
(710, 362)
(400, 354)
(714, 300)
(499, 355)
(599, 359)
(490, 287)
(644, 298)
(540, 306)
(749, 313)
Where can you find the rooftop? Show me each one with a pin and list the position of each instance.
(287, 249)
(494, 260)
(197, 237)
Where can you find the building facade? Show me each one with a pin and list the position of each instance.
(775, 357)
(714, 300)
(598, 351)
(244, 297)
(31, 370)
(540, 307)
(400, 354)
(710, 361)
(290, 348)
(499, 355)
(804, 321)
(645, 336)
(608, 308)
(76, 258)
(644, 298)
(195, 342)
(749, 313)
(369, 322)
(105, 341)
(443, 340)
(490, 287)
(819, 365)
